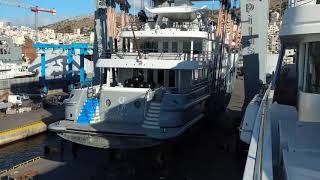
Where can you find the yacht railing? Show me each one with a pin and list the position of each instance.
(83, 85)
(261, 138)
(146, 102)
(146, 98)
(258, 164)
(151, 25)
(296, 3)
(148, 53)
(186, 91)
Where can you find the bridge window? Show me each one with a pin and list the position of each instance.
(286, 86)
(312, 68)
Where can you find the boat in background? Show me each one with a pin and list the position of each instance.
(11, 61)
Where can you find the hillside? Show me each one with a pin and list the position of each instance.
(85, 23)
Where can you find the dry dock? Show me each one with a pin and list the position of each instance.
(210, 152)
(19, 126)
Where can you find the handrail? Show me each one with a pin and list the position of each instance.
(146, 100)
(297, 3)
(253, 167)
(145, 103)
(149, 53)
(184, 26)
(259, 159)
(189, 91)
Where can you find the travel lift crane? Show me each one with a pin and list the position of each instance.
(102, 45)
(71, 48)
(34, 9)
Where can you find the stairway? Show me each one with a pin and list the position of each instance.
(89, 112)
(152, 120)
(91, 93)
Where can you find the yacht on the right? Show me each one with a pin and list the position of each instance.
(282, 125)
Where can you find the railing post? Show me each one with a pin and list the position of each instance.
(82, 78)
(191, 50)
(43, 72)
(70, 63)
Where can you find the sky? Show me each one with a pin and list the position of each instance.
(64, 8)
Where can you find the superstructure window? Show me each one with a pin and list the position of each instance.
(150, 46)
(172, 78)
(174, 47)
(155, 47)
(165, 47)
(150, 76)
(186, 46)
(197, 47)
(312, 68)
(161, 77)
(286, 85)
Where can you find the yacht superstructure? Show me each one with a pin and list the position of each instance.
(11, 63)
(159, 83)
(282, 125)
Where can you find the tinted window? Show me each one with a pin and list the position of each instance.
(312, 74)
(287, 82)
(165, 46)
(172, 78)
(174, 46)
(161, 77)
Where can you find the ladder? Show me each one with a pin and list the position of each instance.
(91, 93)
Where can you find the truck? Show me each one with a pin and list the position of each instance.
(5, 105)
(15, 99)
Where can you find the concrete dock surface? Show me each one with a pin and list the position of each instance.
(209, 151)
(20, 126)
(16, 120)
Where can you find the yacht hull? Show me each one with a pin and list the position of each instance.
(116, 140)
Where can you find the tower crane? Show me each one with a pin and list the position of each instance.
(34, 9)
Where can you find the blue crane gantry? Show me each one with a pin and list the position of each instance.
(100, 33)
(71, 50)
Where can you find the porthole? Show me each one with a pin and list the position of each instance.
(137, 104)
(108, 102)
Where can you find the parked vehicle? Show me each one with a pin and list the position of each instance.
(15, 99)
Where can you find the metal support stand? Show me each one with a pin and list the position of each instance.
(82, 75)
(71, 51)
(70, 72)
(44, 89)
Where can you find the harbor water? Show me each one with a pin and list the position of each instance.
(26, 149)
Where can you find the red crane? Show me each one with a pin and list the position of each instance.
(35, 9)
